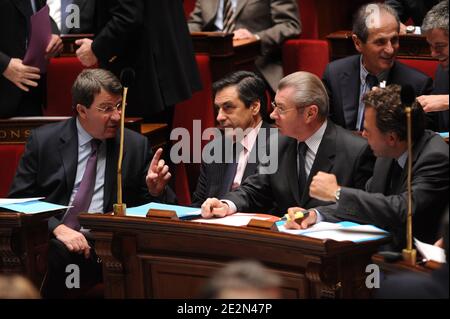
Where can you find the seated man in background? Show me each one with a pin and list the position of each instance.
(385, 200)
(74, 163)
(245, 279)
(349, 78)
(411, 9)
(435, 28)
(271, 21)
(311, 143)
(241, 102)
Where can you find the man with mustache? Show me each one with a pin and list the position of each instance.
(376, 37)
(74, 163)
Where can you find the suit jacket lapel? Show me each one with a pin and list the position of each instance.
(324, 158)
(350, 84)
(68, 150)
(112, 156)
(239, 6)
(251, 167)
(291, 168)
(380, 181)
(210, 11)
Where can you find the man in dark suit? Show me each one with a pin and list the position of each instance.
(60, 159)
(435, 27)
(311, 143)
(22, 86)
(271, 21)
(349, 78)
(241, 102)
(152, 38)
(384, 202)
(73, 16)
(411, 9)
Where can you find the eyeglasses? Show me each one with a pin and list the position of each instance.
(279, 110)
(109, 108)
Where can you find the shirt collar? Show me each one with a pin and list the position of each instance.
(83, 136)
(313, 142)
(402, 159)
(383, 76)
(249, 140)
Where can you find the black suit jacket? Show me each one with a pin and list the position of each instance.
(152, 38)
(414, 9)
(341, 153)
(429, 188)
(441, 87)
(49, 165)
(211, 179)
(14, 25)
(87, 22)
(342, 80)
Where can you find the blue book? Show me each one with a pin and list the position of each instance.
(183, 212)
(33, 207)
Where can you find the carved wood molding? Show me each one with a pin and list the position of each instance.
(11, 262)
(324, 277)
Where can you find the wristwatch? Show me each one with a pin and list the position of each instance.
(410, 29)
(337, 194)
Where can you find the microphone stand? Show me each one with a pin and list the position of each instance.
(409, 254)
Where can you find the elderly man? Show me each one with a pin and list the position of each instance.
(384, 203)
(74, 163)
(375, 35)
(311, 144)
(435, 27)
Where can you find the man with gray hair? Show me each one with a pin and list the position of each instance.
(435, 28)
(74, 163)
(376, 37)
(310, 144)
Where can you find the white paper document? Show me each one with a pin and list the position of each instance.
(7, 201)
(238, 219)
(430, 252)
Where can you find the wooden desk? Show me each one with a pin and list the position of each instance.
(225, 54)
(411, 46)
(158, 258)
(402, 266)
(24, 244)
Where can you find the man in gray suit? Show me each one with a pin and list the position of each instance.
(384, 203)
(311, 143)
(271, 21)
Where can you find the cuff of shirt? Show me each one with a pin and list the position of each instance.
(319, 216)
(231, 206)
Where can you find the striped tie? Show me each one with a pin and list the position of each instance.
(228, 18)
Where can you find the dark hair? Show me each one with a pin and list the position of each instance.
(391, 116)
(250, 87)
(90, 82)
(360, 27)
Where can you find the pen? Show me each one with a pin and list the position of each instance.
(298, 215)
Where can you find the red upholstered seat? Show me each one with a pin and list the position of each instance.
(10, 155)
(198, 107)
(307, 53)
(426, 66)
(61, 74)
(188, 7)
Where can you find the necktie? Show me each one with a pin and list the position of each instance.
(371, 81)
(228, 18)
(302, 148)
(231, 169)
(64, 14)
(83, 197)
(396, 173)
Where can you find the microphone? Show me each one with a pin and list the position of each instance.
(126, 78)
(408, 97)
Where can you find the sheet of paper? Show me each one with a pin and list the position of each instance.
(238, 219)
(40, 35)
(182, 211)
(6, 201)
(33, 207)
(340, 235)
(317, 227)
(430, 252)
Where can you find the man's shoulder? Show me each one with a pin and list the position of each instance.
(54, 129)
(341, 65)
(406, 73)
(350, 138)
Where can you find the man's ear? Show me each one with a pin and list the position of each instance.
(357, 42)
(81, 111)
(311, 113)
(255, 106)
